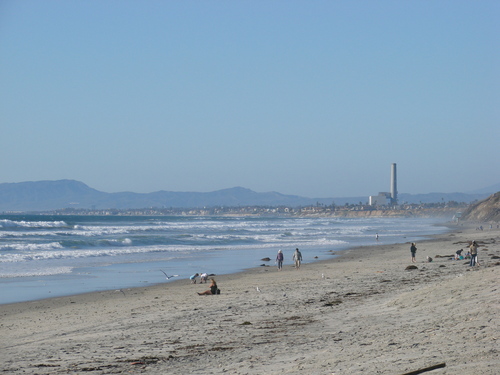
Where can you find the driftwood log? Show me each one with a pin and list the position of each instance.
(425, 369)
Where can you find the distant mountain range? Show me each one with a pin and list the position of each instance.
(53, 195)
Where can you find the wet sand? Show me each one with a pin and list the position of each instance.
(361, 313)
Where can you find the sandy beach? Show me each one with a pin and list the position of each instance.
(361, 313)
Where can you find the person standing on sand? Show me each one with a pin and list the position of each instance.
(279, 260)
(473, 254)
(413, 250)
(297, 258)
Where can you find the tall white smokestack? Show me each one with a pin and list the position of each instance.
(394, 189)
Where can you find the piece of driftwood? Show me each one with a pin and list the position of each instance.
(430, 368)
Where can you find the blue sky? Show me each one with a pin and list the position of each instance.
(313, 98)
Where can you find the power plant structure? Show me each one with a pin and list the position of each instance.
(385, 199)
(394, 184)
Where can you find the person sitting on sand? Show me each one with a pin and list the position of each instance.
(193, 278)
(458, 254)
(413, 250)
(212, 291)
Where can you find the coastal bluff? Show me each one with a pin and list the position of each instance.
(484, 211)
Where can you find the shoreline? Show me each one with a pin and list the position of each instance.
(361, 311)
(118, 275)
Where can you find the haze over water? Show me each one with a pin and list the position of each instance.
(48, 256)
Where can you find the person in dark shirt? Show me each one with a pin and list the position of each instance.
(413, 250)
(279, 260)
(212, 291)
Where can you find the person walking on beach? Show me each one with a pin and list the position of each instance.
(297, 258)
(413, 250)
(279, 260)
(473, 254)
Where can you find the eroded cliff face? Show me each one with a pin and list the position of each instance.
(486, 210)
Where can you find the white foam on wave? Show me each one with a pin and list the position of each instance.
(96, 233)
(120, 229)
(38, 272)
(124, 242)
(88, 253)
(352, 231)
(91, 231)
(205, 226)
(31, 246)
(5, 223)
(322, 242)
(51, 254)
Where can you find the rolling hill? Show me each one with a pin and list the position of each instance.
(53, 195)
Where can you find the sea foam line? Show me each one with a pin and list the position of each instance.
(104, 252)
(31, 246)
(5, 223)
(44, 272)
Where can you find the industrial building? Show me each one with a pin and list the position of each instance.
(383, 198)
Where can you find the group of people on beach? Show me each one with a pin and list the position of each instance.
(203, 277)
(296, 257)
(471, 254)
(491, 227)
(213, 289)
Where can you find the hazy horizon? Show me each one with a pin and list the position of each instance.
(314, 99)
(483, 190)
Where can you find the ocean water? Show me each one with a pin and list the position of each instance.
(49, 256)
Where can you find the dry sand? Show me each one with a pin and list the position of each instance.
(361, 313)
